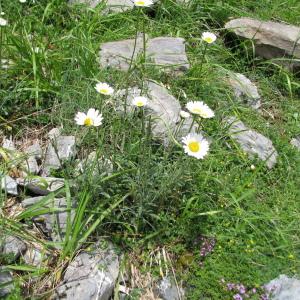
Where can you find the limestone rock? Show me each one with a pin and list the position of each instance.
(8, 144)
(284, 288)
(118, 54)
(54, 223)
(41, 185)
(252, 142)
(34, 150)
(13, 246)
(9, 185)
(167, 53)
(33, 257)
(245, 90)
(30, 165)
(5, 278)
(296, 142)
(54, 133)
(271, 39)
(90, 276)
(168, 290)
(59, 149)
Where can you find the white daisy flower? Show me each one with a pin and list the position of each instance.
(92, 118)
(3, 22)
(200, 108)
(208, 37)
(143, 3)
(195, 145)
(140, 101)
(23, 1)
(2, 13)
(184, 114)
(104, 88)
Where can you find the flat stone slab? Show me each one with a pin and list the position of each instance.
(272, 39)
(163, 108)
(53, 224)
(167, 53)
(296, 142)
(41, 185)
(252, 142)
(245, 90)
(90, 276)
(284, 288)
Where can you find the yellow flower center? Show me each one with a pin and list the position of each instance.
(194, 146)
(88, 122)
(140, 103)
(104, 91)
(140, 2)
(197, 111)
(208, 40)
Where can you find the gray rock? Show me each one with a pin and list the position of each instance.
(54, 133)
(167, 53)
(111, 5)
(59, 149)
(33, 257)
(284, 288)
(5, 279)
(9, 185)
(271, 39)
(252, 142)
(30, 165)
(94, 164)
(41, 185)
(34, 150)
(118, 54)
(296, 142)
(245, 90)
(54, 223)
(8, 144)
(13, 246)
(163, 108)
(168, 290)
(90, 276)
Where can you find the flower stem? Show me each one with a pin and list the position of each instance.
(203, 57)
(144, 43)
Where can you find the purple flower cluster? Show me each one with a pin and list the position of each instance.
(241, 292)
(208, 245)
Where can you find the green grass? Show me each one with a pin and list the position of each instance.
(159, 197)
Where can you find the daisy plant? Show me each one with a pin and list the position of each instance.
(91, 118)
(140, 102)
(195, 145)
(208, 38)
(105, 89)
(199, 111)
(140, 4)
